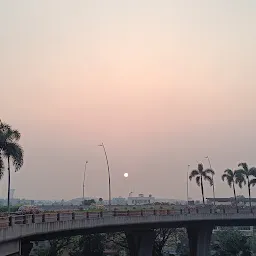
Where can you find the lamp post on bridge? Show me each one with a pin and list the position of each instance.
(187, 182)
(109, 182)
(84, 179)
(213, 188)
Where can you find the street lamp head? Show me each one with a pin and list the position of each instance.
(86, 162)
(207, 157)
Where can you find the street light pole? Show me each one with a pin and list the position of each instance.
(213, 188)
(109, 183)
(187, 182)
(84, 179)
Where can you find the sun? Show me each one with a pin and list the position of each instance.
(126, 175)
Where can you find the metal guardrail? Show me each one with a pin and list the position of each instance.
(12, 220)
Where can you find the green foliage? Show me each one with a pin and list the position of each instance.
(89, 202)
(161, 238)
(117, 241)
(9, 147)
(243, 176)
(12, 209)
(201, 175)
(230, 243)
(56, 247)
(182, 246)
(89, 244)
(230, 177)
(252, 243)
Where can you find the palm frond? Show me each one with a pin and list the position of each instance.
(198, 181)
(244, 166)
(15, 152)
(193, 174)
(228, 178)
(224, 176)
(229, 172)
(209, 171)
(209, 179)
(252, 171)
(10, 135)
(240, 172)
(252, 182)
(4, 126)
(200, 168)
(240, 177)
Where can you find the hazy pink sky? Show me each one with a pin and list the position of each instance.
(162, 83)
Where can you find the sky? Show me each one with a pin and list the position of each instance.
(161, 83)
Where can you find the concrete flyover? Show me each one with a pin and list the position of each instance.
(18, 231)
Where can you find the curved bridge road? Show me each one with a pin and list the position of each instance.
(18, 231)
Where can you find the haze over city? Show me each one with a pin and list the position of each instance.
(162, 83)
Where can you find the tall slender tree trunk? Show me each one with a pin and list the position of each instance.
(234, 190)
(9, 184)
(249, 191)
(202, 188)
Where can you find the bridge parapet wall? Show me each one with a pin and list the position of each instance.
(22, 226)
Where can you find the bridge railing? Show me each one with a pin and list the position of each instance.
(69, 216)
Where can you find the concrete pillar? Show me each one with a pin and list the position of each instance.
(199, 240)
(26, 247)
(10, 248)
(140, 242)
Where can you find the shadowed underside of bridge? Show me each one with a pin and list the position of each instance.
(127, 227)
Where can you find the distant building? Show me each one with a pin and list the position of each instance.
(119, 201)
(140, 200)
(241, 200)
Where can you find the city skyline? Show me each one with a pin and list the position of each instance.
(162, 84)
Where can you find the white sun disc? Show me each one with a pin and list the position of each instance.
(126, 175)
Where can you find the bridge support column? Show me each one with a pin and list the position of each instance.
(26, 247)
(199, 240)
(140, 242)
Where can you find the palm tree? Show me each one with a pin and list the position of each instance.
(3, 128)
(201, 174)
(243, 176)
(10, 149)
(230, 176)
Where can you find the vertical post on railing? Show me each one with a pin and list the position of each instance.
(180, 211)
(87, 215)
(154, 211)
(188, 211)
(33, 218)
(114, 213)
(224, 210)
(58, 216)
(43, 218)
(24, 219)
(141, 212)
(73, 216)
(211, 211)
(197, 211)
(101, 214)
(128, 213)
(10, 221)
(168, 212)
